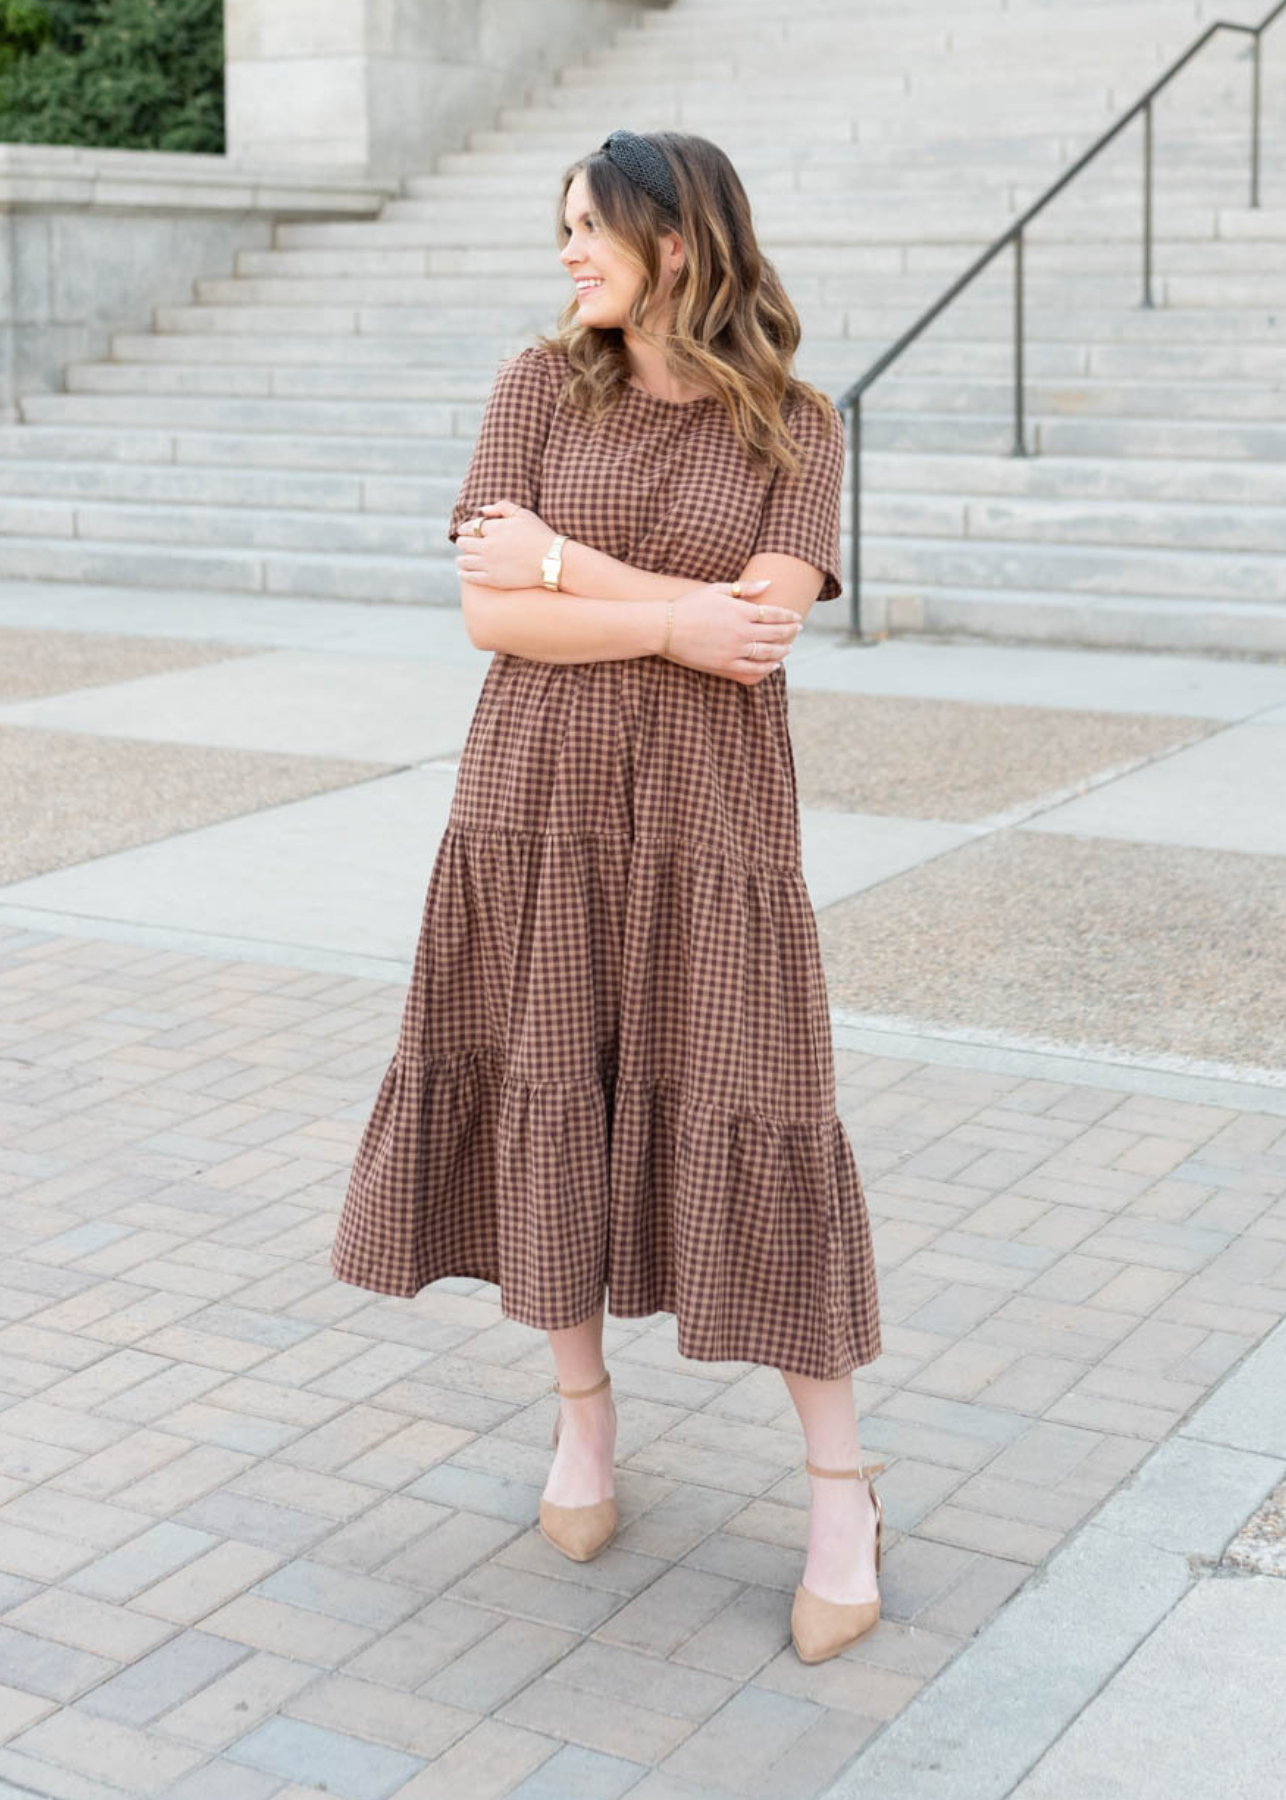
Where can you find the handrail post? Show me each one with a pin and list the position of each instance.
(1147, 204)
(1254, 119)
(855, 525)
(1020, 448)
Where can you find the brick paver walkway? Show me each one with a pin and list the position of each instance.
(263, 1534)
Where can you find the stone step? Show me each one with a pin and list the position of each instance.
(316, 381)
(543, 297)
(480, 356)
(853, 169)
(915, 287)
(899, 389)
(976, 138)
(993, 434)
(348, 453)
(310, 417)
(415, 580)
(964, 318)
(304, 423)
(1256, 440)
(1010, 19)
(1071, 524)
(1247, 576)
(1176, 327)
(1211, 290)
(1222, 258)
(920, 59)
(515, 270)
(790, 218)
(539, 261)
(352, 534)
(92, 477)
(1148, 479)
(913, 42)
(856, 223)
(1085, 272)
(1205, 625)
(913, 563)
(829, 362)
(860, 87)
(915, 53)
(1108, 21)
(832, 120)
(689, 81)
(507, 162)
(343, 527)
(348, 400)
(1177, 400)
(51, 443)
(418, 474)
(1123, 41)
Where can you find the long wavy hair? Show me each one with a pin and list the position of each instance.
(733, 331)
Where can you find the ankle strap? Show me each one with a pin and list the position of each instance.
(870, 1468)
(578, 1393)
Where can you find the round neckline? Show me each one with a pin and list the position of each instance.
(656, 399)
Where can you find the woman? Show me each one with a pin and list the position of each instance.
(614, 1070)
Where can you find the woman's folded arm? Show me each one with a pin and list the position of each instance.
(590, 571)
(562, 628)
(795, 583)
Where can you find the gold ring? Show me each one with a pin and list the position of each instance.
(736, 589)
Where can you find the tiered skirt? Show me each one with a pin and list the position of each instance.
(614, 1069)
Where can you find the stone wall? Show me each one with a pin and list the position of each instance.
(92, 240)
(382, 86)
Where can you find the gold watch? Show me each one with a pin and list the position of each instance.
(551, 567)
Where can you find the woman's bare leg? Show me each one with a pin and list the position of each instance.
(841, 1521)
(582, 1468)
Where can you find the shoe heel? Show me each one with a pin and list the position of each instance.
(580, 1532)
(822, 1628)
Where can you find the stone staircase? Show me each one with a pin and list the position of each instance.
(302, 426)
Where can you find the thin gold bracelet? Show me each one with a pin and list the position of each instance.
(669, 626)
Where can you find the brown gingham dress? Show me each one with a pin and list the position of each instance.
(614, 1068)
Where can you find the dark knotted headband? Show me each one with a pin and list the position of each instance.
(644, 164)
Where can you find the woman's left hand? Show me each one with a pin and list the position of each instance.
(509, 552)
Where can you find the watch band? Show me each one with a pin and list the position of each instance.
(551, 567)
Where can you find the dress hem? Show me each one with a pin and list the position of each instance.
(519, 1317)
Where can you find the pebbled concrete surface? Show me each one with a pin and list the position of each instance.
(34, 663)
(950, 759)
(73, 796)
(1091, 942)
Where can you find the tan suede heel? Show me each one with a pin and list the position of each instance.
(578, 1531)
(822, 1628)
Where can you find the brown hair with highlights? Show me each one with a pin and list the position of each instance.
(733, 330)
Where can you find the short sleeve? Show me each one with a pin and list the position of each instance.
(511, 439)
(801, 513)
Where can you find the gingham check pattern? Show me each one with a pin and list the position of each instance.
(615, 1067)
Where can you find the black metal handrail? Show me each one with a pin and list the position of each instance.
(851, 400)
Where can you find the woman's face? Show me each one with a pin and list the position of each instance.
(589, 257)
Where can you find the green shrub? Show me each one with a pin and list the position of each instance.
(129, 74)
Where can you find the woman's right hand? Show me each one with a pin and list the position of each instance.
(714, 630)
